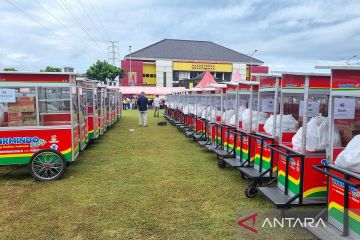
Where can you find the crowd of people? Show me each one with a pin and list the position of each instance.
(131, 103)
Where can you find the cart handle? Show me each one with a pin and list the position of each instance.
(321, 168)
(273, 147)
(261, 137)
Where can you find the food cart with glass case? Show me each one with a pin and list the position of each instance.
(264, 166)
(83, 112)
(305, 97)
(92, 100)
(39, 124)
(102, 109)
(342, 213)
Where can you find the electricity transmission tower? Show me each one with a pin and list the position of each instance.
(113, 52)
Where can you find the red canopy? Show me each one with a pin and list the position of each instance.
(206, 80)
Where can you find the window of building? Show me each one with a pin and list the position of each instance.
(147, 75)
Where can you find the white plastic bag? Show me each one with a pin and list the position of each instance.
(241, 111)
(246, 117)
(349, 158)
(229, 114)
(289, 124)
(317, 137)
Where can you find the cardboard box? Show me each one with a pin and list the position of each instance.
(14, 117)
(15, 123)
(27, 104)
(14, 107)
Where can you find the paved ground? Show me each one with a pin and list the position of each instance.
(151, 183)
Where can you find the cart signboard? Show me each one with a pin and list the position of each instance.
(344, 108)
(18, 146)
(7, 95)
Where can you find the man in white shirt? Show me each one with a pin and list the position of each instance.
(156, 105)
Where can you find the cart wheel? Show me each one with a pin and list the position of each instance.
(243, 176)
(221, 164)
(47, 165)
(251, 191)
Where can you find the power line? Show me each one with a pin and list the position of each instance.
(99, 20)
(42, 25)
(69, 11)
(91, 20)
(62, 23)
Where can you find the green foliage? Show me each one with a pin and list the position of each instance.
(103, 71)
(9, 69)
(51, 69)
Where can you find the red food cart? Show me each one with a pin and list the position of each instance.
(83, 112)
(343, 202)
(39, 122)
(92, 100)
(264, 166)
(304, 96)
(101, 97)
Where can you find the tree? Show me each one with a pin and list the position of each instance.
(9, 69)
(103, 71)
(51, 69)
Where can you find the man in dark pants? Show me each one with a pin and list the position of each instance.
(142, 104)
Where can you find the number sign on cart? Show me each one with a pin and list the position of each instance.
(7, 95)
(313, 109)
(344, 108)
(267, 105)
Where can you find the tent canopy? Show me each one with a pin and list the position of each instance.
(206, 80)
(236, 77)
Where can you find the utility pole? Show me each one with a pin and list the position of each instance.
(350, 58)
(113, 52)
(131, 74)
(251, 62)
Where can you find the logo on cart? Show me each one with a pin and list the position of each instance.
(53, 139)
(35, 145)
(54, 146)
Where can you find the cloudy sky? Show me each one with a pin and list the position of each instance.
(288, 34)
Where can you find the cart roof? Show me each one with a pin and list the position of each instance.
(339, 67)
(218, 85)
(307, 74)
(254, 83)
(38, 73)
(266, 74)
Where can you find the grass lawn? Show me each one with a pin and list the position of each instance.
(152, 183)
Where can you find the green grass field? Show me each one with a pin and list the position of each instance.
(152, 183)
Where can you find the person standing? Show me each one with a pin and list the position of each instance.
(156, 105)
(142, 104)
(124, 103)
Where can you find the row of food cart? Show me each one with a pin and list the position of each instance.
(46, 119)
(293, 136)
